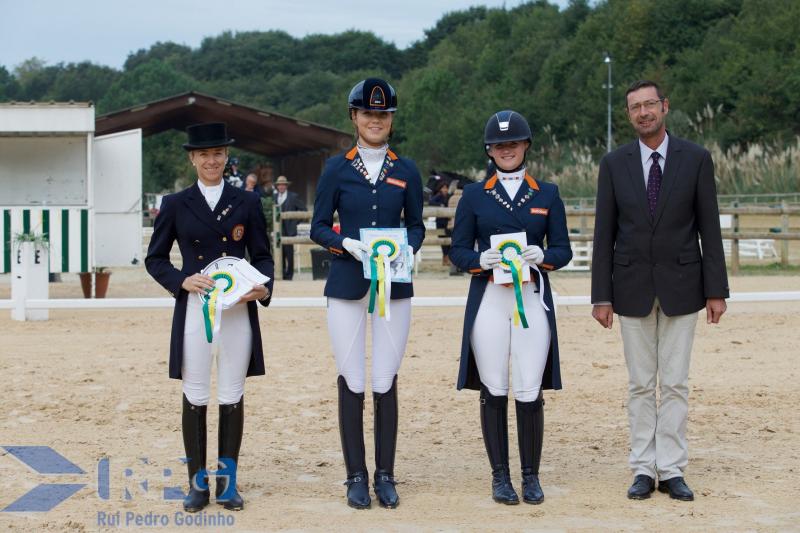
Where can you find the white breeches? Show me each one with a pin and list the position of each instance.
(347, 326)
(234, 342)
(495, 339)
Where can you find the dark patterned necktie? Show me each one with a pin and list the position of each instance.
(653, 183)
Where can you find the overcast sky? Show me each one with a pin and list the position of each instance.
(106, 31)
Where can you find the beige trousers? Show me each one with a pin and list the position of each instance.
(657, 352)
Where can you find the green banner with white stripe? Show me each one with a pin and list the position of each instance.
(67, 230)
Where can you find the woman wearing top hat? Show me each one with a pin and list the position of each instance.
(510, 201)
(370, 187)
(211, 219)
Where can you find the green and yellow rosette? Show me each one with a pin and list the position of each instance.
(211, 310)
(384, 250)
(511, 259)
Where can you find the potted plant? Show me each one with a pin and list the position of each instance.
(101, 279)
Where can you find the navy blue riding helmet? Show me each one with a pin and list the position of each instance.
(373, 94)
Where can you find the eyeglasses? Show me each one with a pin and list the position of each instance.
(647, 105)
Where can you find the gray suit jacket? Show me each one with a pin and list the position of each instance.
(638, 257)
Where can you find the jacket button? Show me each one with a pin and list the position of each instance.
(374, 207)
(373, 222)
(200, 257)
(374, 191)
(224, 239)
(224, 254)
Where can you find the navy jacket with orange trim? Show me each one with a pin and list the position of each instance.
(395, 200)
(485, 209)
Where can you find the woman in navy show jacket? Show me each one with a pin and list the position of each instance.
(369, 187)
(209, 220)
(510, 201)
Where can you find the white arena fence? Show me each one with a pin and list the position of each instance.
(320, 302)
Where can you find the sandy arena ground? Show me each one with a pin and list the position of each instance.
(93, 385)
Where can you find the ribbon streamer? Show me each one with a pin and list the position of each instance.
(212, 311)
(380, 288)
(515, 265)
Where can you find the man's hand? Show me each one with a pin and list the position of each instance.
(259, 292)
(199, 283)
(604, 314)
(715, 308)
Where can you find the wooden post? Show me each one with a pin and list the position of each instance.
(784, 229)
(277, 253)
(735, 243)
(584, 225)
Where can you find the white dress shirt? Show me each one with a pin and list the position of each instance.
(647, 156)
(511, 181)
(373, 159)
(211, 193)
(282, 197)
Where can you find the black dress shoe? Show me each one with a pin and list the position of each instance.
(502, 489)
(358, 491)
(531, 489)
(677, 489)
(642, 487)
(385, 491)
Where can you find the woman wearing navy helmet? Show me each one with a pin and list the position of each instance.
(510, 201)
(369, 187)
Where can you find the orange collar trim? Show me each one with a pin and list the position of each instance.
(353, 151)
(490, 183)
(531, 182)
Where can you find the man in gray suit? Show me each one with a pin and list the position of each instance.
(656, 210)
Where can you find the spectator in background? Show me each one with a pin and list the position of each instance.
(251, 185)
(439, 199)
(287, 201)
(232, 173)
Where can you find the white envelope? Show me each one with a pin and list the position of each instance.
(502, 274)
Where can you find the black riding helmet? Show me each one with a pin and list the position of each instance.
(373, 94)
(506, 126)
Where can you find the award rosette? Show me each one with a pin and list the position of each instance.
(233, 279)
(389, 260)
(511, 260)
(514, 270)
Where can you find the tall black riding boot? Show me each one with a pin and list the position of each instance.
(494, 423)
(530, 431)
(385, 445)
(351, 430)
(194, 442)
(231, 426)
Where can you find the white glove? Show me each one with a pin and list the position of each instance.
(532, 254)
(356, 248)
(411, 265)
(490, 258)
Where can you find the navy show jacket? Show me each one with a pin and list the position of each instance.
(485, 209)
(236, 224)
(344, 187)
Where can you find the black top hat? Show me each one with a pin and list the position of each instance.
(208, 135)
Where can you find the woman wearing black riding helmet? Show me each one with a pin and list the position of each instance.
(514, 323)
